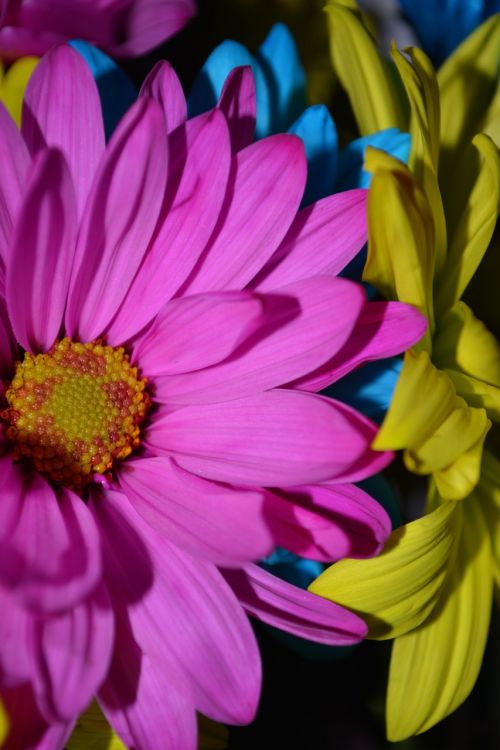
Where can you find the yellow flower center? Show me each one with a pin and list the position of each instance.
(75, 410)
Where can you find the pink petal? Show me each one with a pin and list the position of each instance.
(237, 101)
(148, 23)
(61, 107)
(215, 649)
(142, 702)
(8, 344)
(264, 193)
(28, 729)
(15, 159)
(276, 438)
(199, 156)
(303, 325)
(119, 219)
(15, 663)
(327, 522)
(382, 330)
(223, 525)
(162, 85)
(323, 238)
(71, 655)
(42, 253)
(195, 332)
(50, 552)
(294, 610)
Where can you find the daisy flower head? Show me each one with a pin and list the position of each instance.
(166, 316)
(124, 28)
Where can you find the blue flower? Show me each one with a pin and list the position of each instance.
(442, 24)
(280, 85)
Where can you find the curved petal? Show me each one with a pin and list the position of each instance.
(199, 158)
(237, 101)
(119, 219)
(62, 90)
(351, 158)
(383, 329)
(327, 521)
(302, 326)
(71, 654)
(276, 438)
(15, 656)
(434, 668)
(149, 23)
(41, 256)
(192, 333)
(8, 344)
(215, 652)
(15, 159)
(396, 591)
(222, 524)
(162, 85)
(264, 192)
(322, 239)
(294, 610)
(50, 553)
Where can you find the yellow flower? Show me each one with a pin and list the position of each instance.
(4, 724)
(429, 228)
(13, 83)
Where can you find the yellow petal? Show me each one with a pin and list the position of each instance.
(419, 80)
(92, 732)
(488, 494)
(4, 724)
(395, 591)
(472, 218)
(456, 435)
(477, 393)
(368, 78)
(400, 262)
(13, 85)
(463, 343)
(457, 481)
(434, 668)
(423, 398)
(467, 82)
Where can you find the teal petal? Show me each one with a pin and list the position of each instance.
(319, 134)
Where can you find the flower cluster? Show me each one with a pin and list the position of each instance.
(196, 351)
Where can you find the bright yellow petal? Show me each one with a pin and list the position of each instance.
(367, 78)
(4, 724)
(13, 85)
(434, 668)
(419, 79)
(424, 397)
(92, 732)
(458, 480)
(400, 262)
(488, 494)
(477, 393)
(463, 343)
(212, 736)
(467, 82)
(395, 591)
(472, 217)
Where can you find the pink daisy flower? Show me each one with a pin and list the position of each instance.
(166, 314)
(124, 28)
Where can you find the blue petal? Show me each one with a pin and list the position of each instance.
(317, 129)
(116, 91)
(208, 84)
(370, 388)
(350, 172)
(442, 24)
(286, 79)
